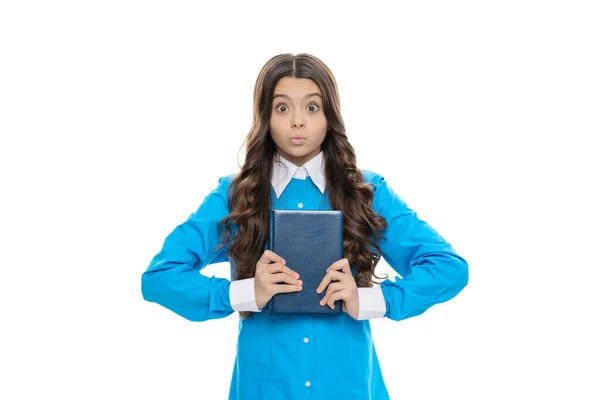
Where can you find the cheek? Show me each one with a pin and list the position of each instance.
(323, 126)
(275, 129)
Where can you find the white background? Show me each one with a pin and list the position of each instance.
(118, 117)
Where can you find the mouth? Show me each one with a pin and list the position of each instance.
(297, 140)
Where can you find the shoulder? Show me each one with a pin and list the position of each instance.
(226, 179)
(372, 177)
(383, 194)
(220, 190)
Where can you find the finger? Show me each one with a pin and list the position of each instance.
(332, 288)
(324, 282)
(339, 295)
(279, 267)
(281, 277)
(331, 275)
(268, 256)
(270, 268)
(342, 265)
(287, 288)
(333, 297)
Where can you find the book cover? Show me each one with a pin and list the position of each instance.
(310, 241)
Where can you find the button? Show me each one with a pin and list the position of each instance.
(300, 173)
(307, 383)
(300, 205)
(306, 340)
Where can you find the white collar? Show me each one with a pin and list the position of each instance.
(284, 171)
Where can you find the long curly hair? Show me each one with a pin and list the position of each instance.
(249, 199)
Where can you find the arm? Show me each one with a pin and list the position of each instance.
(432, 271)
(173, 279)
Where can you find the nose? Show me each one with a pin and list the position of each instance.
(297, 121)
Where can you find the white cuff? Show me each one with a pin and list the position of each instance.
(241, 295)
(371, 303)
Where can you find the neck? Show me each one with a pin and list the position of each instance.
(299, 160)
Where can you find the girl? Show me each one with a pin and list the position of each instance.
(298, 157)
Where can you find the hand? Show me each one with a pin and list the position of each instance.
(344, 287)
(270, 270)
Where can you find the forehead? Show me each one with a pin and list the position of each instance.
(301, 85)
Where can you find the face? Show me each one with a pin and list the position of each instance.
(298, 125)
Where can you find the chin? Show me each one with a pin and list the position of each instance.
(298, 152)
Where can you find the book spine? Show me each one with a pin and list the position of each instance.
(270, 247)
(341, 224)
(340, 303)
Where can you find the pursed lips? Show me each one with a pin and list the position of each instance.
(297, 140)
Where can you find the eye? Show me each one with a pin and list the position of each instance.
(317, 108)
(282, 107)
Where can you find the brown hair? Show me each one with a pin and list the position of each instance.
(249, 196)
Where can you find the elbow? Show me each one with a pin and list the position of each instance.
(454, 282)
(462, 276)
(455, 279)
(146, 288)
(149, 286)
(156, 289)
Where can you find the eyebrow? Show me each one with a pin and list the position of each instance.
(288, 97)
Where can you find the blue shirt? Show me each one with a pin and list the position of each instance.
(301, 357)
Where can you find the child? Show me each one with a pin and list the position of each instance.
(298, 157)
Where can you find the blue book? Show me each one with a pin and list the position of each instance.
(309, 241)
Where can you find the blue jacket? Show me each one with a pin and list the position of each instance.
(305, 357)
